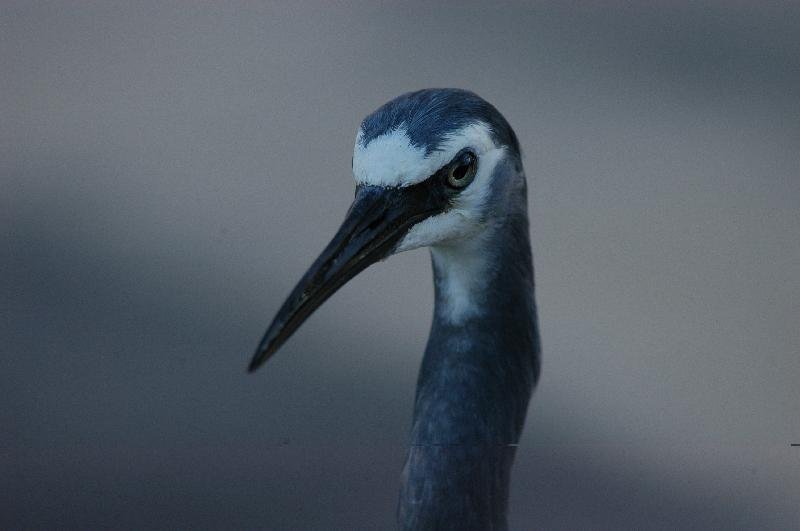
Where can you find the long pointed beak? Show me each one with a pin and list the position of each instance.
(376, 221)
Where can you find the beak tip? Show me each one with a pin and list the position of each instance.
(258, 360)
(268, 346)
(254, 365)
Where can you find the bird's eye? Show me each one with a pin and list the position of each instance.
(462, 170)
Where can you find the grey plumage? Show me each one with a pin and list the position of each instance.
(482, 358)
(473, 390)
(429, 115)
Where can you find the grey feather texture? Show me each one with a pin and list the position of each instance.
(477, 376)
(429, 115)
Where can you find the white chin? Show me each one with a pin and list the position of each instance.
(438, 229)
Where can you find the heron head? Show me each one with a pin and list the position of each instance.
(429, 171)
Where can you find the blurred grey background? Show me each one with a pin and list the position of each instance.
(169, 170)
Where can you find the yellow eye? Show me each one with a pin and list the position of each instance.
(462, 170)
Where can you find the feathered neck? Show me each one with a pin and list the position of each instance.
(479, 368)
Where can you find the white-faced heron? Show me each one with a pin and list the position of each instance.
(442, 168)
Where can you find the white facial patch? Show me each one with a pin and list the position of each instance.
(391, 160)
(464, 218)
(457, 236)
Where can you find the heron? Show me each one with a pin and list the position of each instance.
(442, 168)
